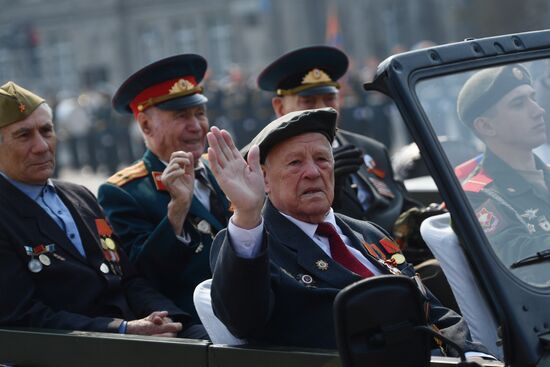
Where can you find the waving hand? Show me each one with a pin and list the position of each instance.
(242, 181)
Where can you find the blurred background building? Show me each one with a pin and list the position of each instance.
(70, 44)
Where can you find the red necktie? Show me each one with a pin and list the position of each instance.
(340, 252)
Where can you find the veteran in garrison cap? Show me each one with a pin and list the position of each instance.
(282, 260)
(308, 78)
(509, 185)
(167, 207)
(57, 250)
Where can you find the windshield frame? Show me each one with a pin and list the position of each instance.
(519, 307)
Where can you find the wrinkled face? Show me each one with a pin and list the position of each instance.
(293, 103)
(170, 131)
(299, 177)
(27, 148)
(516, 120)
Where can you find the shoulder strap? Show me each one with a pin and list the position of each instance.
(128, 174)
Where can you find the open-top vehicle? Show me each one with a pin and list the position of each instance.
(514, 296)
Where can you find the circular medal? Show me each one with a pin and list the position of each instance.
(204, 227)
(399, 258)
(307, 279)
(103, 244)
(110, 243)
(35, 266)
(44, 259)
(104, 268)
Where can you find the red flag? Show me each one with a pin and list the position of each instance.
(333, 35)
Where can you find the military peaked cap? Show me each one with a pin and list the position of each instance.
(169, 84)
(305, 71)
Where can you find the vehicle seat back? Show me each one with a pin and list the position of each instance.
(442, 241)
(216, 330)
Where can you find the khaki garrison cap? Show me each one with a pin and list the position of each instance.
(486, 87)
(321, 120)
(16, 103)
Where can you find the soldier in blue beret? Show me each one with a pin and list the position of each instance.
(365, 185)
(60, 264)
(509, 186)
(167, 207)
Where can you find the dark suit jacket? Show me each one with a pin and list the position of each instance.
(137, 210)
(389, 196)
(72, 292)
(268, 300)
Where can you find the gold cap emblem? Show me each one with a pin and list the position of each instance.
(316, 76)
(313, 78)
(180, 86)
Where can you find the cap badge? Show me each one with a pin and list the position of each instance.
(316, 76)
(22, 107)
(181, 86)
(518, 74)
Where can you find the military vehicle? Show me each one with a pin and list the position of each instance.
(512, 300)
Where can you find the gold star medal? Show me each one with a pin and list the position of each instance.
(321, 265)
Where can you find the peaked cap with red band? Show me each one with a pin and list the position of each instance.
(169, 84)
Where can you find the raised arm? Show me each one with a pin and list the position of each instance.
(242, 181)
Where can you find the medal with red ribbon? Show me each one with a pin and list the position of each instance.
(108, 247)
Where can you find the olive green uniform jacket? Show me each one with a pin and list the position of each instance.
(513, 214)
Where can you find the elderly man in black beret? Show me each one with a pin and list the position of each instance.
(60, 264)
(509, 187)
(167, 207)
(279, 266)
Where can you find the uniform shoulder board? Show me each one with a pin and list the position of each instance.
(128, 174)
(477, 183)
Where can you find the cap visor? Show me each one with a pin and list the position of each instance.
(325, 89)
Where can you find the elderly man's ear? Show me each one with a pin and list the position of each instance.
(266, 182)
(144, 122)
(278, 106)
(484, 127)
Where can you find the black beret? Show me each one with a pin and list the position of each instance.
(486, 87)
(321, 120)
(305, 71)
(169, 84)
